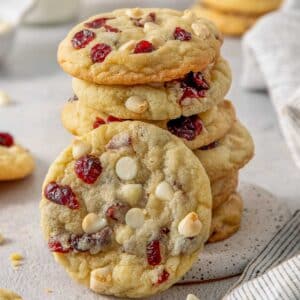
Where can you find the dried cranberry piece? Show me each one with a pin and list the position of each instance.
(143, 47)
(153, 253)
(163, 277)
(56, 246)
(98, 122)
(82, 243)
(199, 80)
(97, 23)
(181, 34)
(99, 52)
(88, 168)
(210, 146)
(117, 212)
(103, 237)
(140, 22)
(113, 119)
(189, 92)
(6, 139)
(82, 38)
(61, 194)
(186, 127)
(109, 28)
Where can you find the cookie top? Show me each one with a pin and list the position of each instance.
(126, 209)
(15, 161)
(228, 154)
(134, 46)
(196, 92)
(8, 295)
(254, 7)
(195, 131)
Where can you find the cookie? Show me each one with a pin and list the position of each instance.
(15, 161)
(228, 154)
(227, 23)
(253, 7)
(226, 219)
(8, 295)
(222, 188)
(126, 209)
(193, 94)
(194, 131)
(136, 46)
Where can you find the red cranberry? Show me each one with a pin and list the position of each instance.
(98, 122)
(117, 212)
(61, 194)
(189, 92)
(99, 52)
(210, 146)
(113, 119)
(153, 253)
(97, 23)
(199, 80)
(143, 47)
(181, 34)
(88, 168)
(109, 28)
(56, 246)
(140, 22)
(82, 38)
(163, 277)
(186, 127)
(6, 139)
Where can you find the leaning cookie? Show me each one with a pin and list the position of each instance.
(228, 154)
(15, 161)
(137, 46)
(226, 219)
(8, 295)
(126, 209)
(192, 94)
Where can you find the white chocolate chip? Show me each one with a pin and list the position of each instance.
(188, 14)
(4, 99)
(131, 193)
(100, 279)
(123, 233)
(150, 26)
(190, 225)
(134, 12)
(135, 218)
(200, 30)
(128, 46)
(164, 191)
(136, 104)
(157, 40)
(80, 148)
(93, 223)
(192, 297)
(126, 168)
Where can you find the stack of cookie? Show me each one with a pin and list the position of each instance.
(234, 17)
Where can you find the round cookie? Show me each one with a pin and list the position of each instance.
(227, 155)
(135, 46)
(226, 219)
(254, 7)
(193, 94)
(194, 131)
(126, 209)
(8, 295)
(228, 23)
(15, 161)
(222, 188)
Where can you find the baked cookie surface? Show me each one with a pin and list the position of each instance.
(126, 209)
(193, 94)
(226, 219)
(195, 131)
(134, 46)
(8, 295)
(15, 161)
(229, 154)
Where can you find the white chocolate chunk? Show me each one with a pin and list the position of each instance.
(4, 99)
(135, 218)
(190, 225)
(192, 297)
(164, 191)
(188, 14)
(128, 46)
(123, 233)
(134, 12)
(80, 148)
(126, 168)
(131, 193)
(136, 104)
(100, 279)
(93, 223)
(200, 30)
(150, 26)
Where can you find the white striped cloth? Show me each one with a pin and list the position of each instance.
(275, 273)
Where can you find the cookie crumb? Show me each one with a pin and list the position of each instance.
(4, 99)
(192, 297)
(2, 239)
(48, 291)
(16, 259)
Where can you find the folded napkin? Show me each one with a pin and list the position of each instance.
(272, 61)
(275, 273)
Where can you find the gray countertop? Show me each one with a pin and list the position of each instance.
(39, 89)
